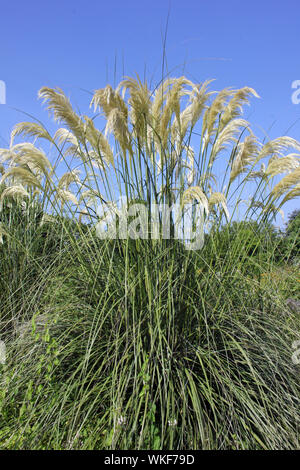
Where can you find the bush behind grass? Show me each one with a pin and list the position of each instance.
(291, 239)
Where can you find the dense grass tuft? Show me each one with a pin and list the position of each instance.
(142, 343)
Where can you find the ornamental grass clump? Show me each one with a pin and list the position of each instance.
(137, 342)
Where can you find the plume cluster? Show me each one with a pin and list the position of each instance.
(148, 148)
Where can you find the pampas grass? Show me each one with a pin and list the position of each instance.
(140, 343)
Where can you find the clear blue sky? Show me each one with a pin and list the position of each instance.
(75, 44)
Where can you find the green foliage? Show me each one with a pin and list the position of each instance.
(249, 242)
(292, 236)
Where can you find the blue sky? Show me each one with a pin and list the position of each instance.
(81, 45)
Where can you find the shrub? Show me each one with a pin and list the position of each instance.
(292, 236)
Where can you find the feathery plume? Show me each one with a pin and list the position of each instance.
(139, 101)
(116, 113)
(295, 192)
(192, 113)
(62, 110)
(23, 176)
(235, 105)
(277, 146)
(172, 105)
(108, 99)
(246, 155)
(216, 108)
(228, 135)
(47, 218)
(268, 208)
(219, 198)
(27, 154)
(6, 155)
(195, 192)
(65, 136)
(116, 124)
(16, 192)
(282, 165)
(103, 151)
(286, 183)
(31, 129)
(65, 196)
(69, 178)
(158, 101)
